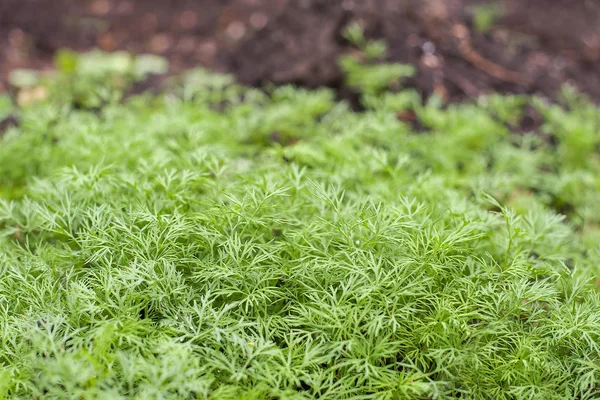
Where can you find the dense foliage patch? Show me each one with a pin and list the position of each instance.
(223, 242)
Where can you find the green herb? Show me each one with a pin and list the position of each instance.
(220, 242)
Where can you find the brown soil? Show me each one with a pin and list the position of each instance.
(534, 47)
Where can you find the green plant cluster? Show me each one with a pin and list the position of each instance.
(223, 242)
(364, 70)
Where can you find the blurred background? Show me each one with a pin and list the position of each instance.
(461, 48)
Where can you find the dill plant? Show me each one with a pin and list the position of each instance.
(221, 242)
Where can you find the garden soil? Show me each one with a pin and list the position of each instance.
(533, 47)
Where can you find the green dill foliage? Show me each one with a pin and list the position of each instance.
(363, 72)
(222, 242)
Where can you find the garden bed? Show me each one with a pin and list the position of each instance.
(174, 233)
(531, 46)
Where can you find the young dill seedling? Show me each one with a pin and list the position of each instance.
(172, 247)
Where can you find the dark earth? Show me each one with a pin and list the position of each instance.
(533, 46)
